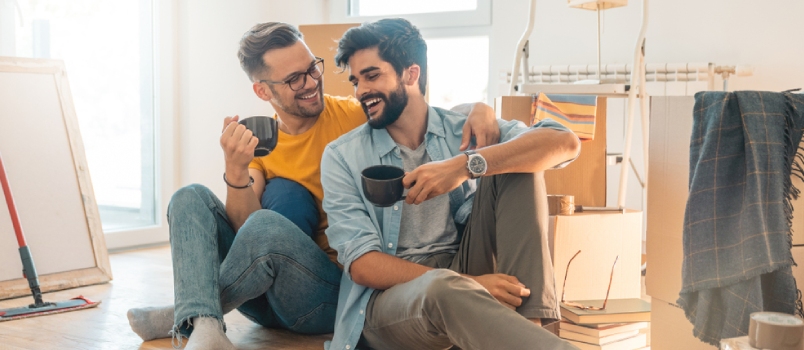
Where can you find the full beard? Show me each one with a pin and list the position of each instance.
(394, 104)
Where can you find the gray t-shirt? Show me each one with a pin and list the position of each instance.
(427, 228)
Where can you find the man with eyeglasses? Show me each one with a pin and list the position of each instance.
(275, 266)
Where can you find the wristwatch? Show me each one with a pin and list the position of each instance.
(476, 164)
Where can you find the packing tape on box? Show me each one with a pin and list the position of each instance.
(561, 204)
(776, 331)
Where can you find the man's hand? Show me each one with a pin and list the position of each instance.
(482, 124)
(435, 178)
(506, 289)
(238, 145)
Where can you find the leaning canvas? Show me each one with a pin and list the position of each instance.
(47, 171)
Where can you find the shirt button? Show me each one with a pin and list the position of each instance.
(361, 312)
(396, 207)
(348, 347)
(390, 245)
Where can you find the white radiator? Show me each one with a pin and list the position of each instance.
(683, 78)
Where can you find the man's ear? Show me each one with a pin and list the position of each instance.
(262, 91)
(413, 73)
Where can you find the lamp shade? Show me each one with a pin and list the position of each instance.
(597, 4)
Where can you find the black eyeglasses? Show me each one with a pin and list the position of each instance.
(297, 81)
(581, 306)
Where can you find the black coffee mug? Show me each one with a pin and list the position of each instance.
(264, 129)
(382, 184)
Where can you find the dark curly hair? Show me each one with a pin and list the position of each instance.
(397, 40)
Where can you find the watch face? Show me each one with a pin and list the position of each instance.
(477, 165)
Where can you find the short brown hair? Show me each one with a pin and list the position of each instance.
(262, 38)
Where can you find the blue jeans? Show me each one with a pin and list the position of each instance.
(270, 270)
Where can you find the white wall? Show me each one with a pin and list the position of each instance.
(760, 33)
(210, 82)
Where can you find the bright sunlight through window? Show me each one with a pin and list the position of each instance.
(387, 8)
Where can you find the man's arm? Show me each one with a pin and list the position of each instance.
(534, 150)
(481, 123)
(238, 144)
(382, 271)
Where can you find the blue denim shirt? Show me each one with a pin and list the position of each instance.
(357, 227)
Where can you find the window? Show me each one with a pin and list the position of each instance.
(422, 13)
(108, 49)
(454, 79)
(457, 35)
(387, 8)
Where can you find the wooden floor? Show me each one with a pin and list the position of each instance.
(141, 278)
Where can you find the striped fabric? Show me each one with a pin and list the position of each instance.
(576, 112)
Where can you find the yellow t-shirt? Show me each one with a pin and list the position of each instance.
(298, 157)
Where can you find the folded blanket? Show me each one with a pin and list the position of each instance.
(737, 235)
(576, 112)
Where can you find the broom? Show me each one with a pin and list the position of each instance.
(39, 307)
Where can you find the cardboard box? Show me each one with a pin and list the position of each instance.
(670, 330)
(322, 39)
(513, 108)
(798, 208)
(601, 237)
(668, 174)
(585, 178)
(798, 271)
(668, 183)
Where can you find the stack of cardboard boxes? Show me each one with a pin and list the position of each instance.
(601, 236)
(668, 174)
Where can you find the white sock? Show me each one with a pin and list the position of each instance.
(208, 335)
(151, 322)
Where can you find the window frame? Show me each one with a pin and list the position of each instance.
(461, 32)
(162, 150)
(159, 163)
(340, 13)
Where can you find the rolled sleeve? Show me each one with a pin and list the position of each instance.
(351, 232)
(511, 129)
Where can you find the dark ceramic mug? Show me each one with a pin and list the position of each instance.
(264, 129)
(382, 184)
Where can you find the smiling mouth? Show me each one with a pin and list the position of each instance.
(311, 95)
(371, 105)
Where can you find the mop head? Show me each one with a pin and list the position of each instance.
(78, 303)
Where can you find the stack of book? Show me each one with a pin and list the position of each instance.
(619, 327)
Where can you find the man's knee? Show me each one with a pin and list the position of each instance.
(267, 228)
(441, 285)
(525, 182)
(293, 201)
(189, 196)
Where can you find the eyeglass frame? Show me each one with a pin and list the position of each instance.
(309, 71)
(581, 306)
